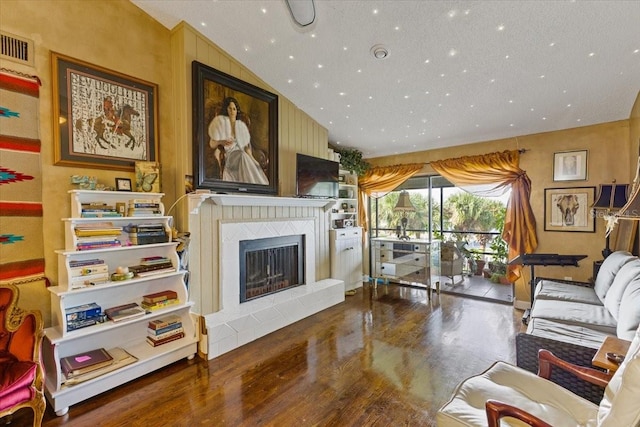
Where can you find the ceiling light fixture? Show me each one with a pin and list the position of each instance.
(379, 51)
(303, 12)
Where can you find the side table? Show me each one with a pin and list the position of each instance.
(611, 344)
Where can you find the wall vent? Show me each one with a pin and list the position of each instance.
(17, 49)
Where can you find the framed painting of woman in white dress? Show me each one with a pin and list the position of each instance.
(235, 127)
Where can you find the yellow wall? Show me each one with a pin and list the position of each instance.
(605, 143)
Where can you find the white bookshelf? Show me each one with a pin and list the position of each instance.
(127, 334)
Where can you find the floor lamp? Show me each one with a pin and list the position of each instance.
(404, 205)
(611, 199)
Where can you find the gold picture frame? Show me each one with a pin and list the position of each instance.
(567, 209)
(102, 119)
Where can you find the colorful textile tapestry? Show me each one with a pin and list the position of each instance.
(21, 227)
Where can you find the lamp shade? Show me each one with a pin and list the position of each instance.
(611, 197)
(631, 210)
(404, 203)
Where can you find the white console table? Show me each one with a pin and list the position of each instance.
(407, 262)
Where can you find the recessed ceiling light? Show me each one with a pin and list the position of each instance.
(316, 85)
(578, 120)
(397, 28)
(426, 61)
(544, 118)
(263, 10)
(342, 94)
(345, 48)
(204, 24)
(511, 101)
(471, 106)
(375, 11)
(289, 81)
(464, 71)
(452, 13)
(272, 41)
(291, 57)
(636, 51)
(506, 57)
(500, 27)
(477, 125)
(313, 36)
(359, 71)
(592, 54)
(511, 124)
(370, 97)
(492, 81)
(552, 44)
(568, 105)
(319, 65)
(452, 52)
(442, 75)
(406, 97)
(246, 48)
(447, 94)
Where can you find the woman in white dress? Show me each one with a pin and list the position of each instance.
(231, 133)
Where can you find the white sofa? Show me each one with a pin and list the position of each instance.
(572, 319)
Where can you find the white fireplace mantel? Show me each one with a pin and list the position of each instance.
(195, 200)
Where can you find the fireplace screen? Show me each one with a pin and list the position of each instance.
(270, 265)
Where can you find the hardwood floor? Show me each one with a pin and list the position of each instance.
(385, 356)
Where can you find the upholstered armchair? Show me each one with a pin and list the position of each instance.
(511, 395)
(451, 261)
(21, 375)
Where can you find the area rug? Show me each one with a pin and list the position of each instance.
(21, 224)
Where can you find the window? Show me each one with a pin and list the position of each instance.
(443, 212)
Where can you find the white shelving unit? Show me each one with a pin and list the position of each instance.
(127, 334)
(345, 211)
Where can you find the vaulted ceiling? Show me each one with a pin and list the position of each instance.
(457, 72)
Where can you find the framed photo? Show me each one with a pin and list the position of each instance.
(123, 184)
(148, 177)
(567, 209)
(102, 119)
(235, 141)
(570, 166)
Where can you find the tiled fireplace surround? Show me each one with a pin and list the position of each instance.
(236, 324)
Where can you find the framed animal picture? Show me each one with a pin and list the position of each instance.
(568, 209)
(102, 119)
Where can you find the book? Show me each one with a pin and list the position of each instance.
(123, 312)
(156, 343)
(88, 270)
(159, 296)
(120, 357)
(168, 328)
(84, 311)
(79, 263)
(167, 334)
(73, 325)
(86, 361)
(159, 305)
(163, 322)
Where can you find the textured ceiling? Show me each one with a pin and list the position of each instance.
(457, 72)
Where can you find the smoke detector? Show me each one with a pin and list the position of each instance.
(379, 51)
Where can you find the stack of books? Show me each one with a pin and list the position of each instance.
(82, 316)
(124, 312)
(99, 210)
(88, 272)
(144, 207)
(152, 265)
(164, 330)
(145, 234)
(85, 362)
(158, 300)
(96, 364)
(97, 235)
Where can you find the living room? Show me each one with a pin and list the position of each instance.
(117, 35)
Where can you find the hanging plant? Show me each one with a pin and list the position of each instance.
(351, 160)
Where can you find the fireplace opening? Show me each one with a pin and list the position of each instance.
(270, 265)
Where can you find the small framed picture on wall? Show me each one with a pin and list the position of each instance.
(570, 166)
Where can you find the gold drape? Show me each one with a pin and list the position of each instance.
(501, 170)
(382, 179)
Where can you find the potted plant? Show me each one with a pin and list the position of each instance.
(351, 160)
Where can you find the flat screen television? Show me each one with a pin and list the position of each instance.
(316, 178)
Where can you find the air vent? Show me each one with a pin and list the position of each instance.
(17, 49)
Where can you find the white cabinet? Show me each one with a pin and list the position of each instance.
(407, 262)
(346, 256)
(130, 335)
(345, 211)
